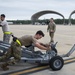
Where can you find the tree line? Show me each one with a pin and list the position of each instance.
(46, 21)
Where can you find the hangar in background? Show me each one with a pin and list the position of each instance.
(35, 16)
(70, 17)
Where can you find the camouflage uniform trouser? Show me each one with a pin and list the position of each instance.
(52, 36)
(13, 51)
(6, 38)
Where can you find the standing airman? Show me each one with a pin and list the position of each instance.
(5, 28)
(51, 29)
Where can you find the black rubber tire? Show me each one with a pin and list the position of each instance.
(56, 63)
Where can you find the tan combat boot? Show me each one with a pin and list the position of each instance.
(4, 66)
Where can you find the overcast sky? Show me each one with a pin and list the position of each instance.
(24, 9)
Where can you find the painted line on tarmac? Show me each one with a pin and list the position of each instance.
(70, 60)
(38, 68)
(29, 71)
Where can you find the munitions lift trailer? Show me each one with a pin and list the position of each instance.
(50, 58)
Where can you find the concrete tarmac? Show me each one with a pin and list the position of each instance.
(65, 35)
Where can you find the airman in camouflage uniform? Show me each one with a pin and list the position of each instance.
(15, 48)
(51, 29)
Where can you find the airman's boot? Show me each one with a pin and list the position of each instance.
(4, 66)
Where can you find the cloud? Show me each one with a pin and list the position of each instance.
(24, 9)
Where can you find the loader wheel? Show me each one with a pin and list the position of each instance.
(56, 63)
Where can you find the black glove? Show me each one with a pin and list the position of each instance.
(14, 39)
